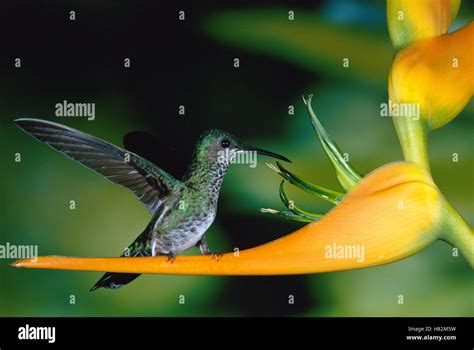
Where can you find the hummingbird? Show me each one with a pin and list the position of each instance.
(182, 209)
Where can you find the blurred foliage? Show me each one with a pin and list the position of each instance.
(310, 41)
(280, 61)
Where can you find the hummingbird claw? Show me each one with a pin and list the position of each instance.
(216, 255)
(170, 258)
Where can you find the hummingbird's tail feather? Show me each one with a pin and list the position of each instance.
(114, 280)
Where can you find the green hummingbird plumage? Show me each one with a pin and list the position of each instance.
(182, 209)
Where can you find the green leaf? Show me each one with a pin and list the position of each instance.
(293, 208)
(309, 187)
(346, 174)
(286, 215)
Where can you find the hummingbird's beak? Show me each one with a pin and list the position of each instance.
(265, 153)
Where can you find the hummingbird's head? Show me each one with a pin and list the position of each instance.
(221, 147)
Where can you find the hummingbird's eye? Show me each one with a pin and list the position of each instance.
(225, 143)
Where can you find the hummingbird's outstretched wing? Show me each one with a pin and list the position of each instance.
(147, 181)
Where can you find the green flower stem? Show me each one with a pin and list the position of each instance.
(413, 136)
(456, 231)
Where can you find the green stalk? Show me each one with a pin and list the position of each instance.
(413, 136)
(454, 230)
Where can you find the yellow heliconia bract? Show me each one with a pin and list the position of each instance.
(435, 75)
(390, 214)
(412, 20)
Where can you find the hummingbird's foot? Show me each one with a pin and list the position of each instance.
(215, 255)
(170, 257)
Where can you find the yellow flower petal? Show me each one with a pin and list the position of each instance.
(436, 75)
(388, 216)
(412, 20)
